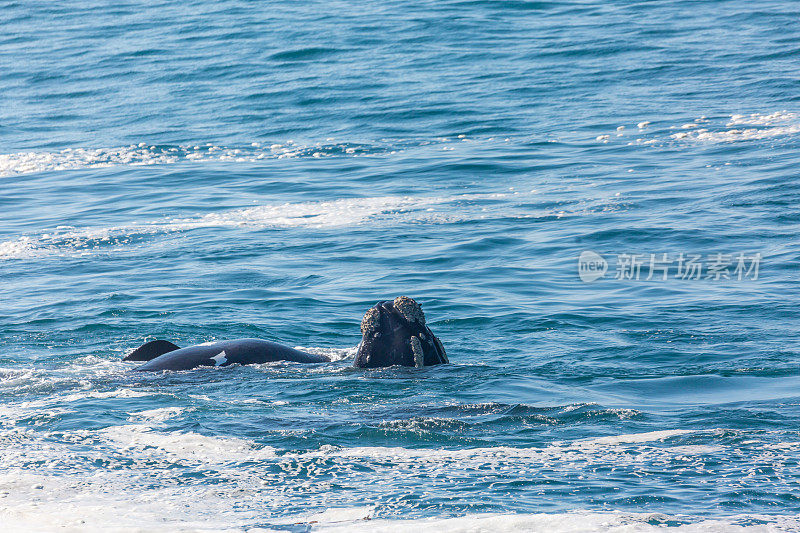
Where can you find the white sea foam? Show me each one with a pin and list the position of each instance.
(78, 396)
(335, 213)
(238, 483)
(157, 415)
(637, 437)
(143, 154)
(69, 240)
(755, 126)
(577, 451)
(738, 134)
(80, 503)
(335, 354)
(142, 441)
(750, 127)
(573, 522)
(48, 506)
(762, 119)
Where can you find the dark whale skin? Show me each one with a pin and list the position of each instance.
(225, 353)
(394, 333)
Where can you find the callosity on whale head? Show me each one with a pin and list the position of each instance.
(395, 333)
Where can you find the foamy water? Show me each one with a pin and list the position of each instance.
(727, 129)
(377, 212)
(142, 154)
(89, 500)
(205, 171)
(143, 482)
(155, 474)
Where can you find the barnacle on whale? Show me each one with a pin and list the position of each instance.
(419, 356)
(410, 309)
(371, 320)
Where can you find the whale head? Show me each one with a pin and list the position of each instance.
(395, 333)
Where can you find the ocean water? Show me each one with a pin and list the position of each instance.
(207, 170)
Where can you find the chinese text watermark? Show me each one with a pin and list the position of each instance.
(663, 266)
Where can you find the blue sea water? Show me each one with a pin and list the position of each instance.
(207, 170)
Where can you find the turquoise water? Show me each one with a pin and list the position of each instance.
(202, 170)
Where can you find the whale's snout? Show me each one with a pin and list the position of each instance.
(395, 333)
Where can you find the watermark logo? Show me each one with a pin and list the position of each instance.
(662, 266)
(591, 266)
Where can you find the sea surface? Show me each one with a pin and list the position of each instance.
(205, 170)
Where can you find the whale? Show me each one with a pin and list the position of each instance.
(393, 333)
(222, 353)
